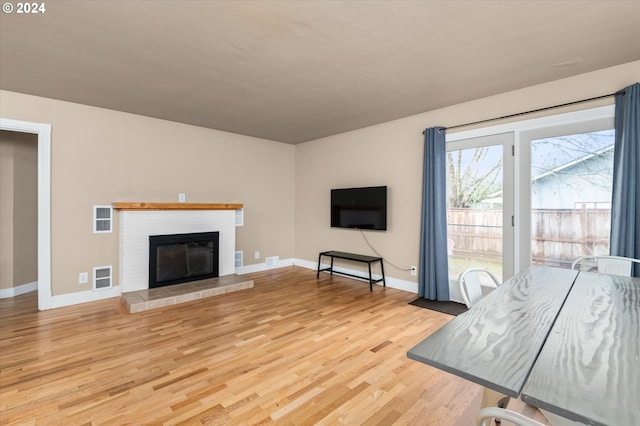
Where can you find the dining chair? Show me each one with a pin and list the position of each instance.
(450, 245)
(613, 265)
(485, 416)
(471, 282)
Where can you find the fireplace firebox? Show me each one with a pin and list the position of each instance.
(180, 258)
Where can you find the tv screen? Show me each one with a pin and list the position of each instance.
(361, 208)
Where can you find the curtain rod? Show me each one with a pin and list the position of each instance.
(517, 114)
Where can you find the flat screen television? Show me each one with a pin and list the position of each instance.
(360, 208)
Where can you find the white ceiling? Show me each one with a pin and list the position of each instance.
(294, 71)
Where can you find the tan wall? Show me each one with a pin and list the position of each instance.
(391, 154)
(18, 208)
(100, 156)
(25, 241)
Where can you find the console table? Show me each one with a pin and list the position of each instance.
(356, 258)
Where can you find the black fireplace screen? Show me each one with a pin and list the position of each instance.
(180, 258)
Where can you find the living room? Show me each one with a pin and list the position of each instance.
(100, 155)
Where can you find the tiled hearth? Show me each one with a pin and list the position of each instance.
(144, 300)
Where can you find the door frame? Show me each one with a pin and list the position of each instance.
(43, 131)
(505, 141)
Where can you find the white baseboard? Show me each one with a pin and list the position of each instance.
(84, 297)
(398, 284)
(5, 293)
(408, 286)
(259, 267)
(95, 295)
(92, 296)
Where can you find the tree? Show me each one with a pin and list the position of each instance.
(584, 156)
(472, 180)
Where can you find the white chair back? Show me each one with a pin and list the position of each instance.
(471, 283)
(485, 416)
(613, 265)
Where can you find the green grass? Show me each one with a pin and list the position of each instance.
(459, 264)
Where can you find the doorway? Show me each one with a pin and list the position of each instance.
(480, 204)
(18, 213)
(43, 133)
(531, 192)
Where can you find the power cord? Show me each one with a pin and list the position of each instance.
(379, 255)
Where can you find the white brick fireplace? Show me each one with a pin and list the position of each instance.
(136, 225)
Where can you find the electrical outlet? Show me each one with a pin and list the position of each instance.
(256, 255)
(414, 270)
(83, 277)
(182, 197)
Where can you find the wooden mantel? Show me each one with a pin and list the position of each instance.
(128, 205)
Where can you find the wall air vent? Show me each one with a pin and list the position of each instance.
(239, 259)
(101, 277)
(273, 261)
(102, 219)
(240, 217)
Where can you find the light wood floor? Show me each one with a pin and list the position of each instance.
(293, 350)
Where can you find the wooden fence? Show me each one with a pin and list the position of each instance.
(559, 235)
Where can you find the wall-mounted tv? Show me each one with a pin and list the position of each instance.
(361, 208)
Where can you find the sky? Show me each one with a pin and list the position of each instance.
(547, 153)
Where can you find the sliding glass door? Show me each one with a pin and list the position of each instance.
(534, 192)
(479, 204)
(569, 186)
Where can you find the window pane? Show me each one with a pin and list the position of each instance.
(571, 179)
(474, 209)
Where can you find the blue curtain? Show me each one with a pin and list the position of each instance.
(433, 272)
(625, 202)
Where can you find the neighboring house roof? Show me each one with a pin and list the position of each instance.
(572, 163)
(496, 197)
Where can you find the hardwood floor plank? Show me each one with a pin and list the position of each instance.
(293, 350)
